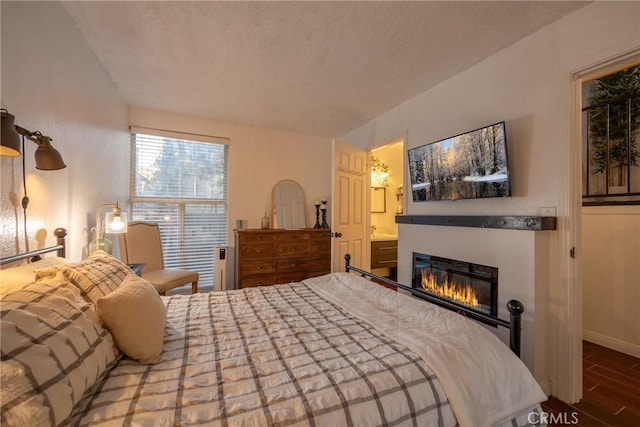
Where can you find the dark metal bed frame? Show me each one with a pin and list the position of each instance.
(60, 248)
(515, 307)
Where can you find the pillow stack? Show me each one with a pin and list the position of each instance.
(62, 333)
(128, 305)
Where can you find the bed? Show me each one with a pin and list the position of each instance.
(88, 343)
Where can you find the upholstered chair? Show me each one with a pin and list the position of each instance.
(142, 244)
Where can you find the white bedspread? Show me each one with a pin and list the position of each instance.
(496, 383)
(269, 356)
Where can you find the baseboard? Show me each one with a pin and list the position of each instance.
(612, 343)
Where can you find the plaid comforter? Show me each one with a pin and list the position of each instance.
(277, 355)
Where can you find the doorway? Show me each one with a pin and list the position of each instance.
(568, 319)
(386, 201)
(611, 207)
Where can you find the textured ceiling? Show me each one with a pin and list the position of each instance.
(321, 68)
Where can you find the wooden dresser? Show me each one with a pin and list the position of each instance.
(268, 257)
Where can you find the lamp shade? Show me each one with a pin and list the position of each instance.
(10, 139)
(115, 222)
(47, 157)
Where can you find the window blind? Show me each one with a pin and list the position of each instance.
(181, 184)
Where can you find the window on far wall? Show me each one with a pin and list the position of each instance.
(611, 135)
(180, 181)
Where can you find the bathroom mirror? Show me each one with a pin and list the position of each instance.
(288, 205)
(378, 199)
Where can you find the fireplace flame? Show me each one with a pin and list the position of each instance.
(458, 292)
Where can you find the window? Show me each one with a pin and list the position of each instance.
(180, 182)
(611, 129)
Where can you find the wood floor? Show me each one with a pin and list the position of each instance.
(611, 394)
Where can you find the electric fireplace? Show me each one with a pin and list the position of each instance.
(472, 286)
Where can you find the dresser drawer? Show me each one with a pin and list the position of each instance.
(320, 247)
(384, 245)
(391, 255)
(259, 267)
(253, 281)
(258, 250)
(294, 236)
(286, 265)
(257, 237)
(293, 248)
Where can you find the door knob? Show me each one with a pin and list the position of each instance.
(337, 234)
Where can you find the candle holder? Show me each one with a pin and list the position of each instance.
(324, 215)
(317, 205)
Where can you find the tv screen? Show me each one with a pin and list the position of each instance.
(471, 165)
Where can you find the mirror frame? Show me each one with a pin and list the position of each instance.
(288, 214)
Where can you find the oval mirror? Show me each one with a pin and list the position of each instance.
(288, 205)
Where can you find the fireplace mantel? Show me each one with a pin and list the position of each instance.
(530, 223)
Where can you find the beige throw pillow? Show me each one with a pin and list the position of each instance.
(135, 315)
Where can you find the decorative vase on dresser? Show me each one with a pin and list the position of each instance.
(269, 257)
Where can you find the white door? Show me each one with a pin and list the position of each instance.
(349, 213)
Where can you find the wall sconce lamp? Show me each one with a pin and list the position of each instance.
(115, 222)
(47, 157)
(12, 145)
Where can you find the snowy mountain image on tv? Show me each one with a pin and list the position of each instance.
(467, 166)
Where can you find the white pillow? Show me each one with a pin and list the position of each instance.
(135, 315)
(54, 349)
(96, 276)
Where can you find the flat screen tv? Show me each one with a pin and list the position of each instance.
(471, 165)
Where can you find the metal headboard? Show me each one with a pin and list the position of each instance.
(60, 248)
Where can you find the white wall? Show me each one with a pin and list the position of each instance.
(611, 276)
(258, 159)
(528, 86)
(52, 82)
